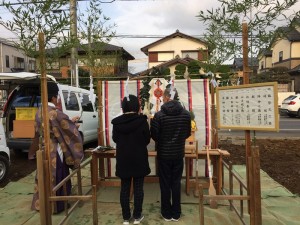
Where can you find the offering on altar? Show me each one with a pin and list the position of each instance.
(193, 122)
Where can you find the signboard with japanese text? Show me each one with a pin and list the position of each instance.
(248, 107)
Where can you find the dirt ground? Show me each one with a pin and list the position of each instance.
(279, 158)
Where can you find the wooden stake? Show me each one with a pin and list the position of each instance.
(256, 185)
(201, 208)
(196, 190)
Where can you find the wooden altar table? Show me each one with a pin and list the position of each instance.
(99, 178)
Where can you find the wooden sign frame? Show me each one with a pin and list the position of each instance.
(248, 107)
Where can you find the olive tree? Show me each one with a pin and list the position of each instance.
(96, 30)
(224, 25)
(34, 17)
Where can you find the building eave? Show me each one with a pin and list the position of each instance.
(176, 34)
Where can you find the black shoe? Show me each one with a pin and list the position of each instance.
(166, 218)
(176, 219)
(137, 221)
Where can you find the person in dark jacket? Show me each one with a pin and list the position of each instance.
(132, 135)
(170, 127)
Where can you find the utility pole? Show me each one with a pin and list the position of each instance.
(73, 34)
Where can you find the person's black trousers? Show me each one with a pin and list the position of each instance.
(170, 174)
(138, 190)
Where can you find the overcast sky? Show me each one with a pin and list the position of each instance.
(158, 17)
(148, 17)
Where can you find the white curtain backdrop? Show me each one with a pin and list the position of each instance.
(194, 95)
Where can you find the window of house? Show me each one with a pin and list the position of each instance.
(7, 61)
(20, 63)
(165, 56)
(82, 62)
(192, 55)
(280, 56)
(31, 65)
(153, 57)
(262, 65)
(52, 65)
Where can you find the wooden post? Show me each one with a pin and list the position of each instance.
(201, 207)
(250, 190)
(45, 122)
(256, 185)
(94, 170)
(230, 184)
(246, 81)
(94, 203)
(45, 217)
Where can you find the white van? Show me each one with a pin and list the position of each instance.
(4, 156)
(79, 102)
(26, 94)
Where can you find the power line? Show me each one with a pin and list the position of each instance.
(104, 2)
(155, 36)
(162, 36)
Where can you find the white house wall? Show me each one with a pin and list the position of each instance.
(12, 52)
(295, 50)
(169, 49)
(268, 62)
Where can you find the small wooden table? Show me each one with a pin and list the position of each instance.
(99, 178)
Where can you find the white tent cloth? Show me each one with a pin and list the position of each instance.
(22, 75)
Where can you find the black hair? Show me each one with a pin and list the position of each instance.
(168, 93)
(52, 89)
(132, 105)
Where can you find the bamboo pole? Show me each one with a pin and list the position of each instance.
(214, 132)
(100, 114)
(100, 131)
(45, 122)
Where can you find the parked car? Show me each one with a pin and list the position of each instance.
(291, 106)
(4, 156)
(74, 102)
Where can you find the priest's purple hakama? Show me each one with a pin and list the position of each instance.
(66, 151)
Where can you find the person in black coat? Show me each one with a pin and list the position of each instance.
(132, 135)
(170, 127)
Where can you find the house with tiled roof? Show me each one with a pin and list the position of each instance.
(176, 48)
(284, 51)
(111, 60)
(265, 60)
(286, 48)
(171, 64)
(237, 66)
